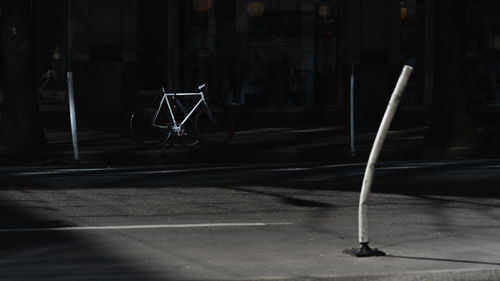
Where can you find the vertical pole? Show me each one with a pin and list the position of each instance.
(68, 37)
(353, 147)
(72, 115)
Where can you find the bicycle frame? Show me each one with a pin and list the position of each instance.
(165, 100)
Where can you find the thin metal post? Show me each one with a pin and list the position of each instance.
(365, 250)
(353, 146)
(72, 115)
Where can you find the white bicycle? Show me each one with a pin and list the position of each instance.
(168, 121)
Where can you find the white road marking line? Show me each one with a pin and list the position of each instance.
(399, 167)
(61, 171)
(313, 130)
(118, 171)
(152, 226)
(189, 170)
(284, 170)
(265, 130)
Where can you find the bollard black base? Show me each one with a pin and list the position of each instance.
(364, 251)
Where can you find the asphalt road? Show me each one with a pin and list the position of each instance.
(248, 222)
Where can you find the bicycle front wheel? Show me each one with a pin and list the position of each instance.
(217, 131)
(142, 129)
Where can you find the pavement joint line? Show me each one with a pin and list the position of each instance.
(151, 226)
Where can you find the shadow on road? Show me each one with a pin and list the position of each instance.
(443, 260)
(293, 201)
(33, 255)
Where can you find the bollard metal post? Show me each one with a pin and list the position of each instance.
(351, 94)
(72, 116)
(365, 250)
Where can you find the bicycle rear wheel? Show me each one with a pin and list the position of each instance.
(142, 129)
(216, 133)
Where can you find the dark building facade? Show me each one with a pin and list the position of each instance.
(268, 55)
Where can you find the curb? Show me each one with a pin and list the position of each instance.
(130, 155)
(195, 155)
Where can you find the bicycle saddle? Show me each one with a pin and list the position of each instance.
(202, 86)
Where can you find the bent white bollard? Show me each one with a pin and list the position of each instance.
(365, 250)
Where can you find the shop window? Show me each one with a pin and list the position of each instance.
(283, 53)
(1, 72)
(202, 45)
(326, 55)
(414, 46)
(483, 51)
(50, 66)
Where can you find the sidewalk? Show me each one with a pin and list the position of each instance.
(285, 143)
(275, 144)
